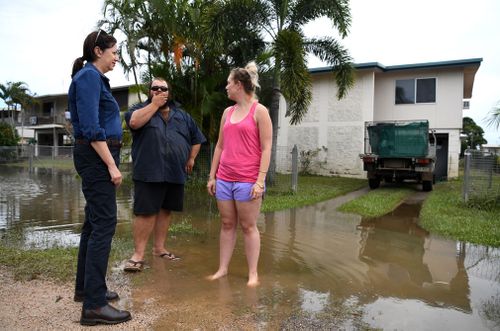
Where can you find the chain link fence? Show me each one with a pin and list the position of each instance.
(481, 261)
(38, 156)
(481, 176)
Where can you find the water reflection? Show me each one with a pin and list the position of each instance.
(320, 269)
(45, 208)
(405, 262)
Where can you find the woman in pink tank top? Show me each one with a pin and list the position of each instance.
(239, 167)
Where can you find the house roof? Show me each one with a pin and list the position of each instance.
(114, 89)
(469, 67)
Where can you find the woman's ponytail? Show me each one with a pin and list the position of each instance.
(77, 65)
(253, 71)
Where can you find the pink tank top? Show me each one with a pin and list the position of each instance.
(240, 158)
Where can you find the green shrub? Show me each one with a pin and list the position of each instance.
(8, 135)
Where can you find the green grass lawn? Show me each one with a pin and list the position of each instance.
(311, 189)
(377, 202)
(445, 213)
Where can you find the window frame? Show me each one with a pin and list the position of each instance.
(50, 105)
(415, 90)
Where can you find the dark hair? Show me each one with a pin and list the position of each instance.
(248, 77)
(97, 38)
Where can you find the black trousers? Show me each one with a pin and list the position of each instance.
(99, 225)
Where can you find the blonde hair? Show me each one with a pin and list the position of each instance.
(248, 76)
(253, 71)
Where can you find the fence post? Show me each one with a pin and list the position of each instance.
(490, 171)
(31, 150)
(295, 168)
(468, 156)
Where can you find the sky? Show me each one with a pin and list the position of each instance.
(41, 38)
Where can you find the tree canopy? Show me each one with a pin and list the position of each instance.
(16, 94)
(474, 135)
(195, 43)
(280, 25)
(170, 39)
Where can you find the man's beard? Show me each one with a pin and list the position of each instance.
(165, 105)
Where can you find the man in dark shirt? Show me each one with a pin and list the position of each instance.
(166, 141)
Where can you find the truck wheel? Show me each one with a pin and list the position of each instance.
(427, 185)
(374, 183)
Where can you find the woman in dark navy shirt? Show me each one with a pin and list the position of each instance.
(95, 116)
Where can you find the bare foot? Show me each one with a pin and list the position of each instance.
(253, 281)
(217, 275)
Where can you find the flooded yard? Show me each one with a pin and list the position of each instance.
(319, 269)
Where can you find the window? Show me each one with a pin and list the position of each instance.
(420, 90)
(47, 108)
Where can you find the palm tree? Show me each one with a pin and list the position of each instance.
(168, 39)
(4, 95)
(129, 17)
(280, 23)
(14, 94)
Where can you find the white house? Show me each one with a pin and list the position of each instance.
(48, 122)
(493, 149)
(435, 91)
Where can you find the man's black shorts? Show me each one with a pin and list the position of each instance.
(149, 198)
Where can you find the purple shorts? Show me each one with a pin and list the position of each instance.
(238, 191)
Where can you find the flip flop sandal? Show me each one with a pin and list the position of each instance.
(134, 266)
(169, 256)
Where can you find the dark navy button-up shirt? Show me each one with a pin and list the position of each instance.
(161, 148)
(95, 114)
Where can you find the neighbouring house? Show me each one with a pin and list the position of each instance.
(493, 149)
(334, 129)
(49, 123)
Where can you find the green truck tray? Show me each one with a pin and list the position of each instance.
(393, 139)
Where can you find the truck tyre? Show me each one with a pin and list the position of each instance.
(427, 185)
(374, 183)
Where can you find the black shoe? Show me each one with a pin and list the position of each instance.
(104, 315)
(110, 296)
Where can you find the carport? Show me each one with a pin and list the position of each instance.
(48, 135)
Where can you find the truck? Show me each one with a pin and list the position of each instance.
(396, 151)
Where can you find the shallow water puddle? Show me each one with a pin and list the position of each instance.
(322, 269)
(319, 269)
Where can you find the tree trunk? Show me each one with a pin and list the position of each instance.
(12, 112)
(274, 113)
(134, 64)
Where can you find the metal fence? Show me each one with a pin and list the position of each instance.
(287, 161)
(481, 175)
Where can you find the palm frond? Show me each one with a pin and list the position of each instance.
(329, 50)
(493, 117)
(296, 81)
(338, 11)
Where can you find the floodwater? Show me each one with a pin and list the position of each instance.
(319, 269)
